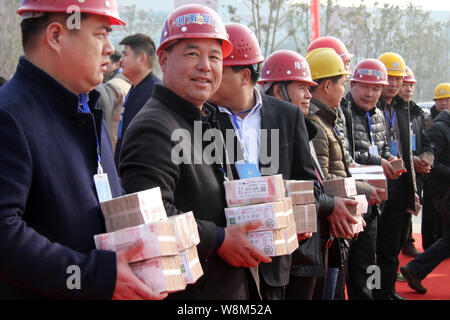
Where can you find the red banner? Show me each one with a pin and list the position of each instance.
(315, 19)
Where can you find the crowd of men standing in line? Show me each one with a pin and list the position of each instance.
(211, 72)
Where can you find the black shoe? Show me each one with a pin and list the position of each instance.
(410, 251)
(395, 296)
(388, 296)
(413, 281)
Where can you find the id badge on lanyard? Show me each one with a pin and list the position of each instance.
(393, 144)
(101, 181)
(393, 147)
(373, 149)
(102, 185)
(247, 170)
(413, 139)
(244, 168)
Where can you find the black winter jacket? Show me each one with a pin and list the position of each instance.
(344, 129)
(440, 137)
(361, 135)
(409, 187)
(423, 142)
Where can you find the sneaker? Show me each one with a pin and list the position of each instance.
(400, 277)
(413, 281)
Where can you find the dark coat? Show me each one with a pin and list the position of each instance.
(344, 129)
(423, 142)
(49, 210)
(361, 135)
(294, 162)
(137, 97)
(428, 121)
(439, 134)
(408, 179)
(146, 162)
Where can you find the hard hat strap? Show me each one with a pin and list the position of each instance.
(285, 92)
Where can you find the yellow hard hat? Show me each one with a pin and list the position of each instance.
(394, 63)
(442, 91)
(325, 63)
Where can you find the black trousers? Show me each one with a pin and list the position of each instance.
(362, 254)
(409, 240)
(392, 229)
(271, 293)
(432, 225)
(300, 288)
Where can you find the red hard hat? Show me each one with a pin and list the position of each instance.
(107, 8)
(194, 21)
(333, 43)
(409, 76)
(286, 65)
(370, 71)
(246, 49)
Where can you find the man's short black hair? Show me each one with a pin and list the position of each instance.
(2, 81)
(270, 92)
(141, 43)
(255, 71)
(333, 79)
(32, 27)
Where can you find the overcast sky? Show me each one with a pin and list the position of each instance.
(438, 5)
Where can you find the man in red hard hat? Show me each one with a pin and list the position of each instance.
(193, 45)
(242, 109)
(420, 144)
(57, 163)
(402, 198)
(368, 146)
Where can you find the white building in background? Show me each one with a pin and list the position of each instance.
(210, 3)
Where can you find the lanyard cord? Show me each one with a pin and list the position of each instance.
(84, 108)
(370, 127)
(240, 133)
(391, 122)
(119, 128)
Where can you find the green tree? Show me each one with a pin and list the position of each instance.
(10, 38)
(265, 18)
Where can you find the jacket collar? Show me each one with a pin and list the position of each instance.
(433, 111)
(323, 111)
(397, 103)
(148, 77)
(443, 116)
(46, 85)
(414, 110)
(180, 106)
(51, 89)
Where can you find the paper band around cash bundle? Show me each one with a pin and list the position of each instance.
(275, 242)
(273, 215)
(159, 239)
(161, 274)
(254, 190)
